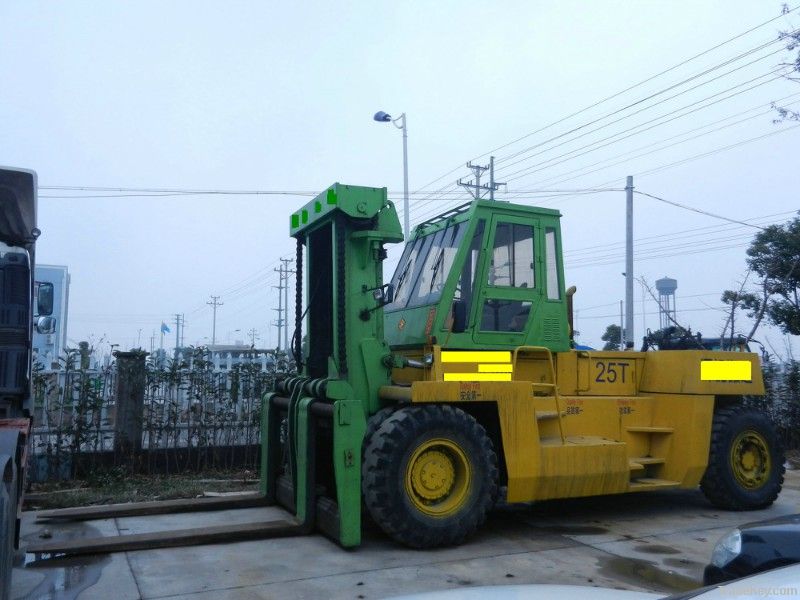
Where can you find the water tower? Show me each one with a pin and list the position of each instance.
(666, 297)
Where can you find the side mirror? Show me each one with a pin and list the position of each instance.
(46, 325)
(384, 295)
(459, 317)
(44, 299)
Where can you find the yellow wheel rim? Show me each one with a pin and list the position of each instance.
(438, 477)
(750, 459)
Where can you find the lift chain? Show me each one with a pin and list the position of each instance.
(340, 295)
(298, 308)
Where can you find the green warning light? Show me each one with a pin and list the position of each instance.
(317, 207)
(331, 197)
(305, 216)
(295, 221)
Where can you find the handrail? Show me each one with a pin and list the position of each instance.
(553, 383)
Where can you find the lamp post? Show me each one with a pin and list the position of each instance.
(383, 117)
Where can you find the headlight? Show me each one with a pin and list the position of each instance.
(727, 549)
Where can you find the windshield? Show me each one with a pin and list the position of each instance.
(423, 269)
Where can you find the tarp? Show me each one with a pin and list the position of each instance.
(18, 207)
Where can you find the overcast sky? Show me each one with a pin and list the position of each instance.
(279, 97)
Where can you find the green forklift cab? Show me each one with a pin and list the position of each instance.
(484, 275)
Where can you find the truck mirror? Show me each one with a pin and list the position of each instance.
(459, 316)
(46, 325)
(44, 299)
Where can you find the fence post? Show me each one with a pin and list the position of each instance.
(131, 383)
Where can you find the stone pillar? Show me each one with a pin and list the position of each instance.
(83, 348)
(131, 383)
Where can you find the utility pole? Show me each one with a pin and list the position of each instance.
(139, 339)
(280, 308)
(629, 262)
(214, 303)
(152, 343)
(183, 330)
(283, 302)
(286, 272)
(253, 333)
(474, 187)
(178, 325)
(286, 262)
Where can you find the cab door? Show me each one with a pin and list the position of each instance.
(510, 290)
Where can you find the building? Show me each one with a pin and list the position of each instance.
(47, 348)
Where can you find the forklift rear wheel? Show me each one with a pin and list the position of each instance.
(746, 461)
(429, 475)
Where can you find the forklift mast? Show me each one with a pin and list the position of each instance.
(321, 414)
(344, 230)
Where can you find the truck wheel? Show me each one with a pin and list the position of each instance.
(429, 476)
(745, 462)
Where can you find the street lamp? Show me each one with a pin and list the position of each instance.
(383, 117)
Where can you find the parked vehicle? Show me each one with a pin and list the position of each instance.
(21, 301)
(755, 547)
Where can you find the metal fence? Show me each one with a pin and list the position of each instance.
(192, 402)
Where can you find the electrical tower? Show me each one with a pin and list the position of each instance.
(474, 186)
(253, 333)
(214, 303)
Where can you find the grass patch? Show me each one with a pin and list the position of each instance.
(115, 485)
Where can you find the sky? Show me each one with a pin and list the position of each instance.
(267, 96)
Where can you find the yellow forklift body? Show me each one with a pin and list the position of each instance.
(585, 423)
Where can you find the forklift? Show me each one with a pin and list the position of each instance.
(421, 402)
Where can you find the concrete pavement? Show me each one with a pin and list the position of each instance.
(657, 541)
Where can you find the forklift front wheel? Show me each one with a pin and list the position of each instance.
(429, 475)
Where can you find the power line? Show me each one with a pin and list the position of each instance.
(615, 95)
(628, 89)
(527, 170)
(697, 210)
(674, 235)
(584, 170)
(639, 128)
(716, 151)
(662, 101)
(631, 131)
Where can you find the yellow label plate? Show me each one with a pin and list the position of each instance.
(483, 356)
(726, 370)
(477, 376)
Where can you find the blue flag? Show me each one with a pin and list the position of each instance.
(164, 328)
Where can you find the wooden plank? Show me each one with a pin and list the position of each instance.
(157, 507)
(170, 539)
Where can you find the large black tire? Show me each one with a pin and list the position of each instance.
(429, 476)
(746, 460)
(373, 423)
(372, 426)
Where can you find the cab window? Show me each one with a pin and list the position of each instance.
(512, 256)
(551, 264)
(505, 315)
